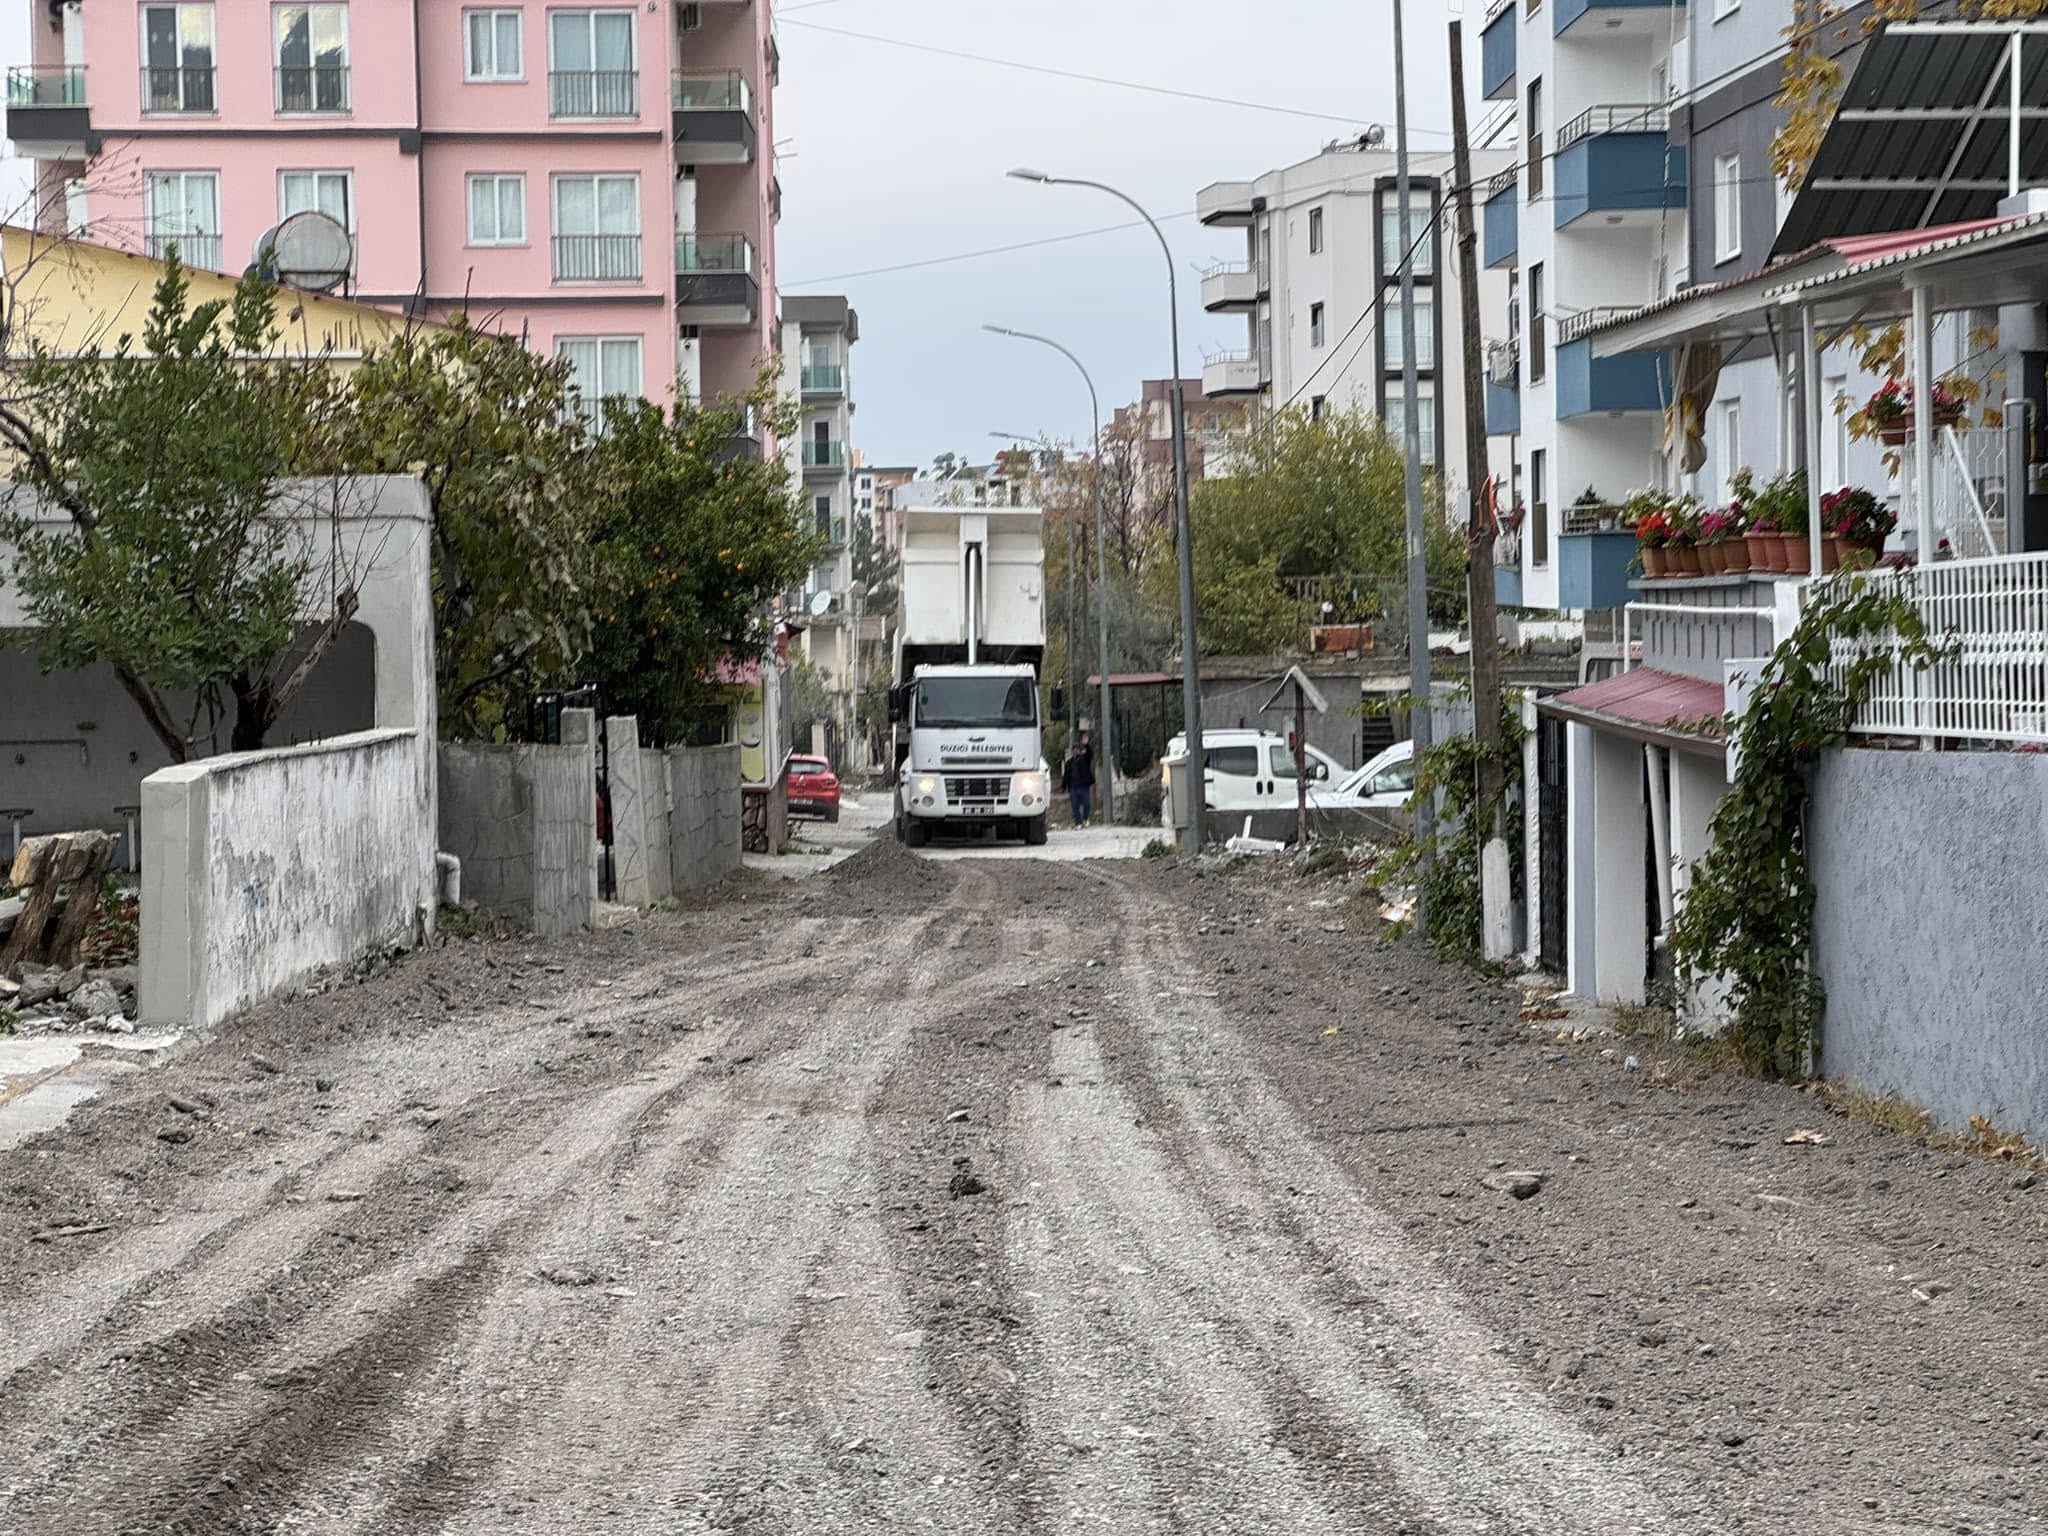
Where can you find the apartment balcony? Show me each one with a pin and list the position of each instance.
(46, 113)
(823, 459)
(824, 379)
(741, 446)
(832, 530)
(597, 258)
(1503, 409)
(1229, 204)
(713, 113)
(1600, 20)
(1501, 236)
(1497, 51)
(319, 90)
(593, 93)
(177, 91)
(1232, 373)
(200, 252)
(1233, 287)
(1617, 162)
(1594, 557)
(1612, 386)
(715, 281)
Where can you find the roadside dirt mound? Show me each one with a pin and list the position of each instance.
(885, 874)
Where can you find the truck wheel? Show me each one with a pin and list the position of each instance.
(916, 832)
(1034, 832)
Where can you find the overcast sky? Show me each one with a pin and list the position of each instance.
(891, 155)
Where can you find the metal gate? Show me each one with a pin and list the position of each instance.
(544, 724)
(1552, 825)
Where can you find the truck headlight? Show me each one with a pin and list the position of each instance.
(1029, 785)
(927, 787)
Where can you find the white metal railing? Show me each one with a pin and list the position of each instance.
(1571, 327)
(1974, 477)
(1502, 181)
(1988, 619)
(1593, 517)
(1634, 117)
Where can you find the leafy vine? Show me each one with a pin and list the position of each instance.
(1747, 920)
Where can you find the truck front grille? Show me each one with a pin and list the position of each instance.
(995, 791)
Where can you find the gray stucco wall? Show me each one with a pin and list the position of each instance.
(523, 820)
(704, 816)
(1931, 929)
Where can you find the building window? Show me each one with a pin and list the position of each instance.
(1727, 447)
(597, 229)
(1834, 442)
(1315, 325)
(1318, 407)
(1532, 140)
(1425, 424)
(1315, 231)
(184, 211)
(491, 48)
(328, 192)
(603, 372)
(312, 57)
(1539, 509)
(1727, 207)
(177, 58)
(1425, 330)
(591, 70)
(1420, 220)
(821, 509)
(1538, 362)
(497, 210)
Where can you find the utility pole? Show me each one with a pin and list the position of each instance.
(1411, 443)
(1496, 924)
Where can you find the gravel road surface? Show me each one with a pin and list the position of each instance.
(998, 1196)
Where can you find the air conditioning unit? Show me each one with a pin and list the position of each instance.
(1501, 363)
(689, 18)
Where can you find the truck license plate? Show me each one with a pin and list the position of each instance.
(979, 810)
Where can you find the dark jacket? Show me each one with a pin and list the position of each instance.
(1078, 771)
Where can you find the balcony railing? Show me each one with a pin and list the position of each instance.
(594, 93)
(178, 88)
(709, 90)
(1571, 327)
(41, 86)
(312, 88)
(1646, 117)
(824, 379)
(714, 253)
(200, 251)
(819, 455)
(1989, 621)
(832, 530)
(597, 258)
(1592, 517)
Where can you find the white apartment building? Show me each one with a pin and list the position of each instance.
(818, 335)
(1318, 285)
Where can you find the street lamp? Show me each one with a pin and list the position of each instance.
(1044, 445)
(1108, 725)
(1191, 692)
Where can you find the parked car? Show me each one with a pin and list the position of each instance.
(1252, 771)
(1385, 783)
(813, 788)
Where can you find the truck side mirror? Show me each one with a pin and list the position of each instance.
(1059, 701)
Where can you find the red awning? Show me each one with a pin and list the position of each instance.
(1132, 679)
(1648, 705)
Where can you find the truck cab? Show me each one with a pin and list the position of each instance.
(975, 754)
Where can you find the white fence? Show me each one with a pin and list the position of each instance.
(1989, 619)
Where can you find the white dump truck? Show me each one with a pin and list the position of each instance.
(970, 642)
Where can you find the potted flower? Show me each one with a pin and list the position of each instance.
(1735, 546)
(1854, 519)
(1889, 414)
(1713, 540)
(1653, 532)
(1777, 521)
(1682, 550)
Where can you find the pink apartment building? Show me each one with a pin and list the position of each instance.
(598, 178)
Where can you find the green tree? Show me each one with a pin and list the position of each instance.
(873, 567)
(693, 542)
(185, 565)
(1306, 499)
(494, 433)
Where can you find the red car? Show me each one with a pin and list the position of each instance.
(813, 788)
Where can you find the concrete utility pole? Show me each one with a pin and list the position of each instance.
(1411, 443)
(1495, 886)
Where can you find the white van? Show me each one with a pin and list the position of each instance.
(1384, 784)
(1252, 771)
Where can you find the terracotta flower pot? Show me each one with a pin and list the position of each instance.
(1735, 554)
(1830, 554)
(1766, 553)
(1900, 432)
(1798, 554)
(1682, 560)
(1653, 560)
(1872, 547)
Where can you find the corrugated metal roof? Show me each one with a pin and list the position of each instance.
(1646, 700)
(1955, 168)
(1915, 245)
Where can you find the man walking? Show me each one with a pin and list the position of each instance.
(1077, 777)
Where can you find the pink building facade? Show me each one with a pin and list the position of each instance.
(597, 178)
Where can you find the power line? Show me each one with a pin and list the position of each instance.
(1072, 74)
(993, 250)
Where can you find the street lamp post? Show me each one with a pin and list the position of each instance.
(1108, 725)
(1191, 692)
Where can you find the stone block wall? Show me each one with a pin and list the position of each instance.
(704, 832)
(523, 821)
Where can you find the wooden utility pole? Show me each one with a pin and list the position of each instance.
(1495, 884)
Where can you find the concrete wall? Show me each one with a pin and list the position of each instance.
(522, 819)
(704, 823)
(1931, 929)
(263, 867)
(654, 774)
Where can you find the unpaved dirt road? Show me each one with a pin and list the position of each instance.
(1001, 1197)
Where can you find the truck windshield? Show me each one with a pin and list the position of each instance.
(977, 701)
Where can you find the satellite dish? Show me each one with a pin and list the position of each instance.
(309, 250)
(821, 604)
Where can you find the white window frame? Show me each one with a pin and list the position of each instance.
(1318, 328)
(497, 180)
(594, 411)
(150, 233)
(496, 76)
(1397, 425)
(1727, 208)
(596, 202)
(1834, 450)
(1425, 329)
(212, 48)
(348, 182)
(1727, 446)
(1316, 237)
(278, 65)
(1420, 216)
(590, 13)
